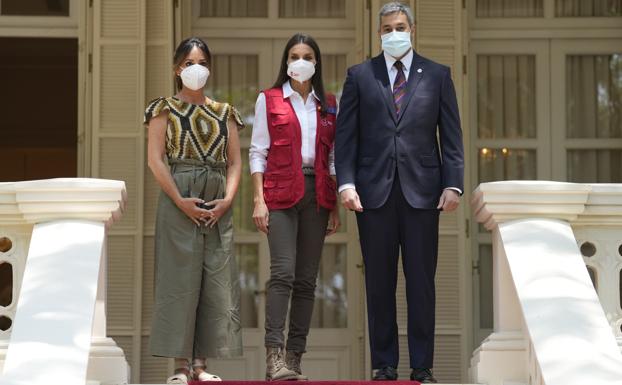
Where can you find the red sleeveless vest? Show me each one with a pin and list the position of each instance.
(283, 184)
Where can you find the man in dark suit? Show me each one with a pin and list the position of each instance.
(395, 171)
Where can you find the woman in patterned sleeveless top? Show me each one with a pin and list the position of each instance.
(197, 294)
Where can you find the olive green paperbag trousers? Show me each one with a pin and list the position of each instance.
(196, 312)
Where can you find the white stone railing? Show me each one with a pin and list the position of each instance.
(550, 327)
(53, 244)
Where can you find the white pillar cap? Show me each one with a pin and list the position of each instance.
(38, 201)
(580, 204)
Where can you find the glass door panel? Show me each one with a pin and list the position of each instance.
(588, 8)
(247, 256)
(587, 110)
(233, 8)
(520, 8)
(594, 96)
(510, 138)
(310, 9)
(506, 164)
(235, 79)
(506, 100)
(594, 166)
(331, 295)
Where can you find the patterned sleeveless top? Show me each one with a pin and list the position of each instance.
(195, 131)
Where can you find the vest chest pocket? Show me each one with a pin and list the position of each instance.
(279, 118)
(280, 152)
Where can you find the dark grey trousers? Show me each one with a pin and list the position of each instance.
(296, 237)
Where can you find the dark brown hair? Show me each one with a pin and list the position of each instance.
(316, 80)
(183, 50)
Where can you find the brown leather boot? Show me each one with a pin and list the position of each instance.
(292, 360)
(276, 370)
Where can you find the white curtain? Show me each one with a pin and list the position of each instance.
(594, 111)
(506, 109)
(312, 8)
(509, 8)
(594, 96)
(594, 166)
(506, 164)
(506, 96)
(234, 8)
(588, 8)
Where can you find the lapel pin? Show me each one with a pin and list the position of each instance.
(419, 70)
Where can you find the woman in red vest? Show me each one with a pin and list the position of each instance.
(292, 165)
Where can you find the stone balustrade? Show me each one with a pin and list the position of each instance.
(550, 325)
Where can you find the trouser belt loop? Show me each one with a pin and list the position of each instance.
(308, 171)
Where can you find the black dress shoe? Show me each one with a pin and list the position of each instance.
(423, 375)
(388, 373)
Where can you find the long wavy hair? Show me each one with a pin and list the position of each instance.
(316, 80)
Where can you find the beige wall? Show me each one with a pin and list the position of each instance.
(126, 35)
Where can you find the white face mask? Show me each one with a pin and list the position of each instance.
(396, 43)
(195, 76)
(301, 70)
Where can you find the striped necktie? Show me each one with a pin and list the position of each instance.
(399, 87)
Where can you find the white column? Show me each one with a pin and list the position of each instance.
(60, 308)
(502, 356)
(55, 311)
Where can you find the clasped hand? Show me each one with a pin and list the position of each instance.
(190, 207)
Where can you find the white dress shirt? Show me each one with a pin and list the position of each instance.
(392, 70)
(306, 112)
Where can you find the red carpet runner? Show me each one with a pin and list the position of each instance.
(305, 383)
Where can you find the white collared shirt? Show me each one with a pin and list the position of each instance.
(306, 112)
(390, 61)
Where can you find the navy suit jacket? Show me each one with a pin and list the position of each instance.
(372, 143)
